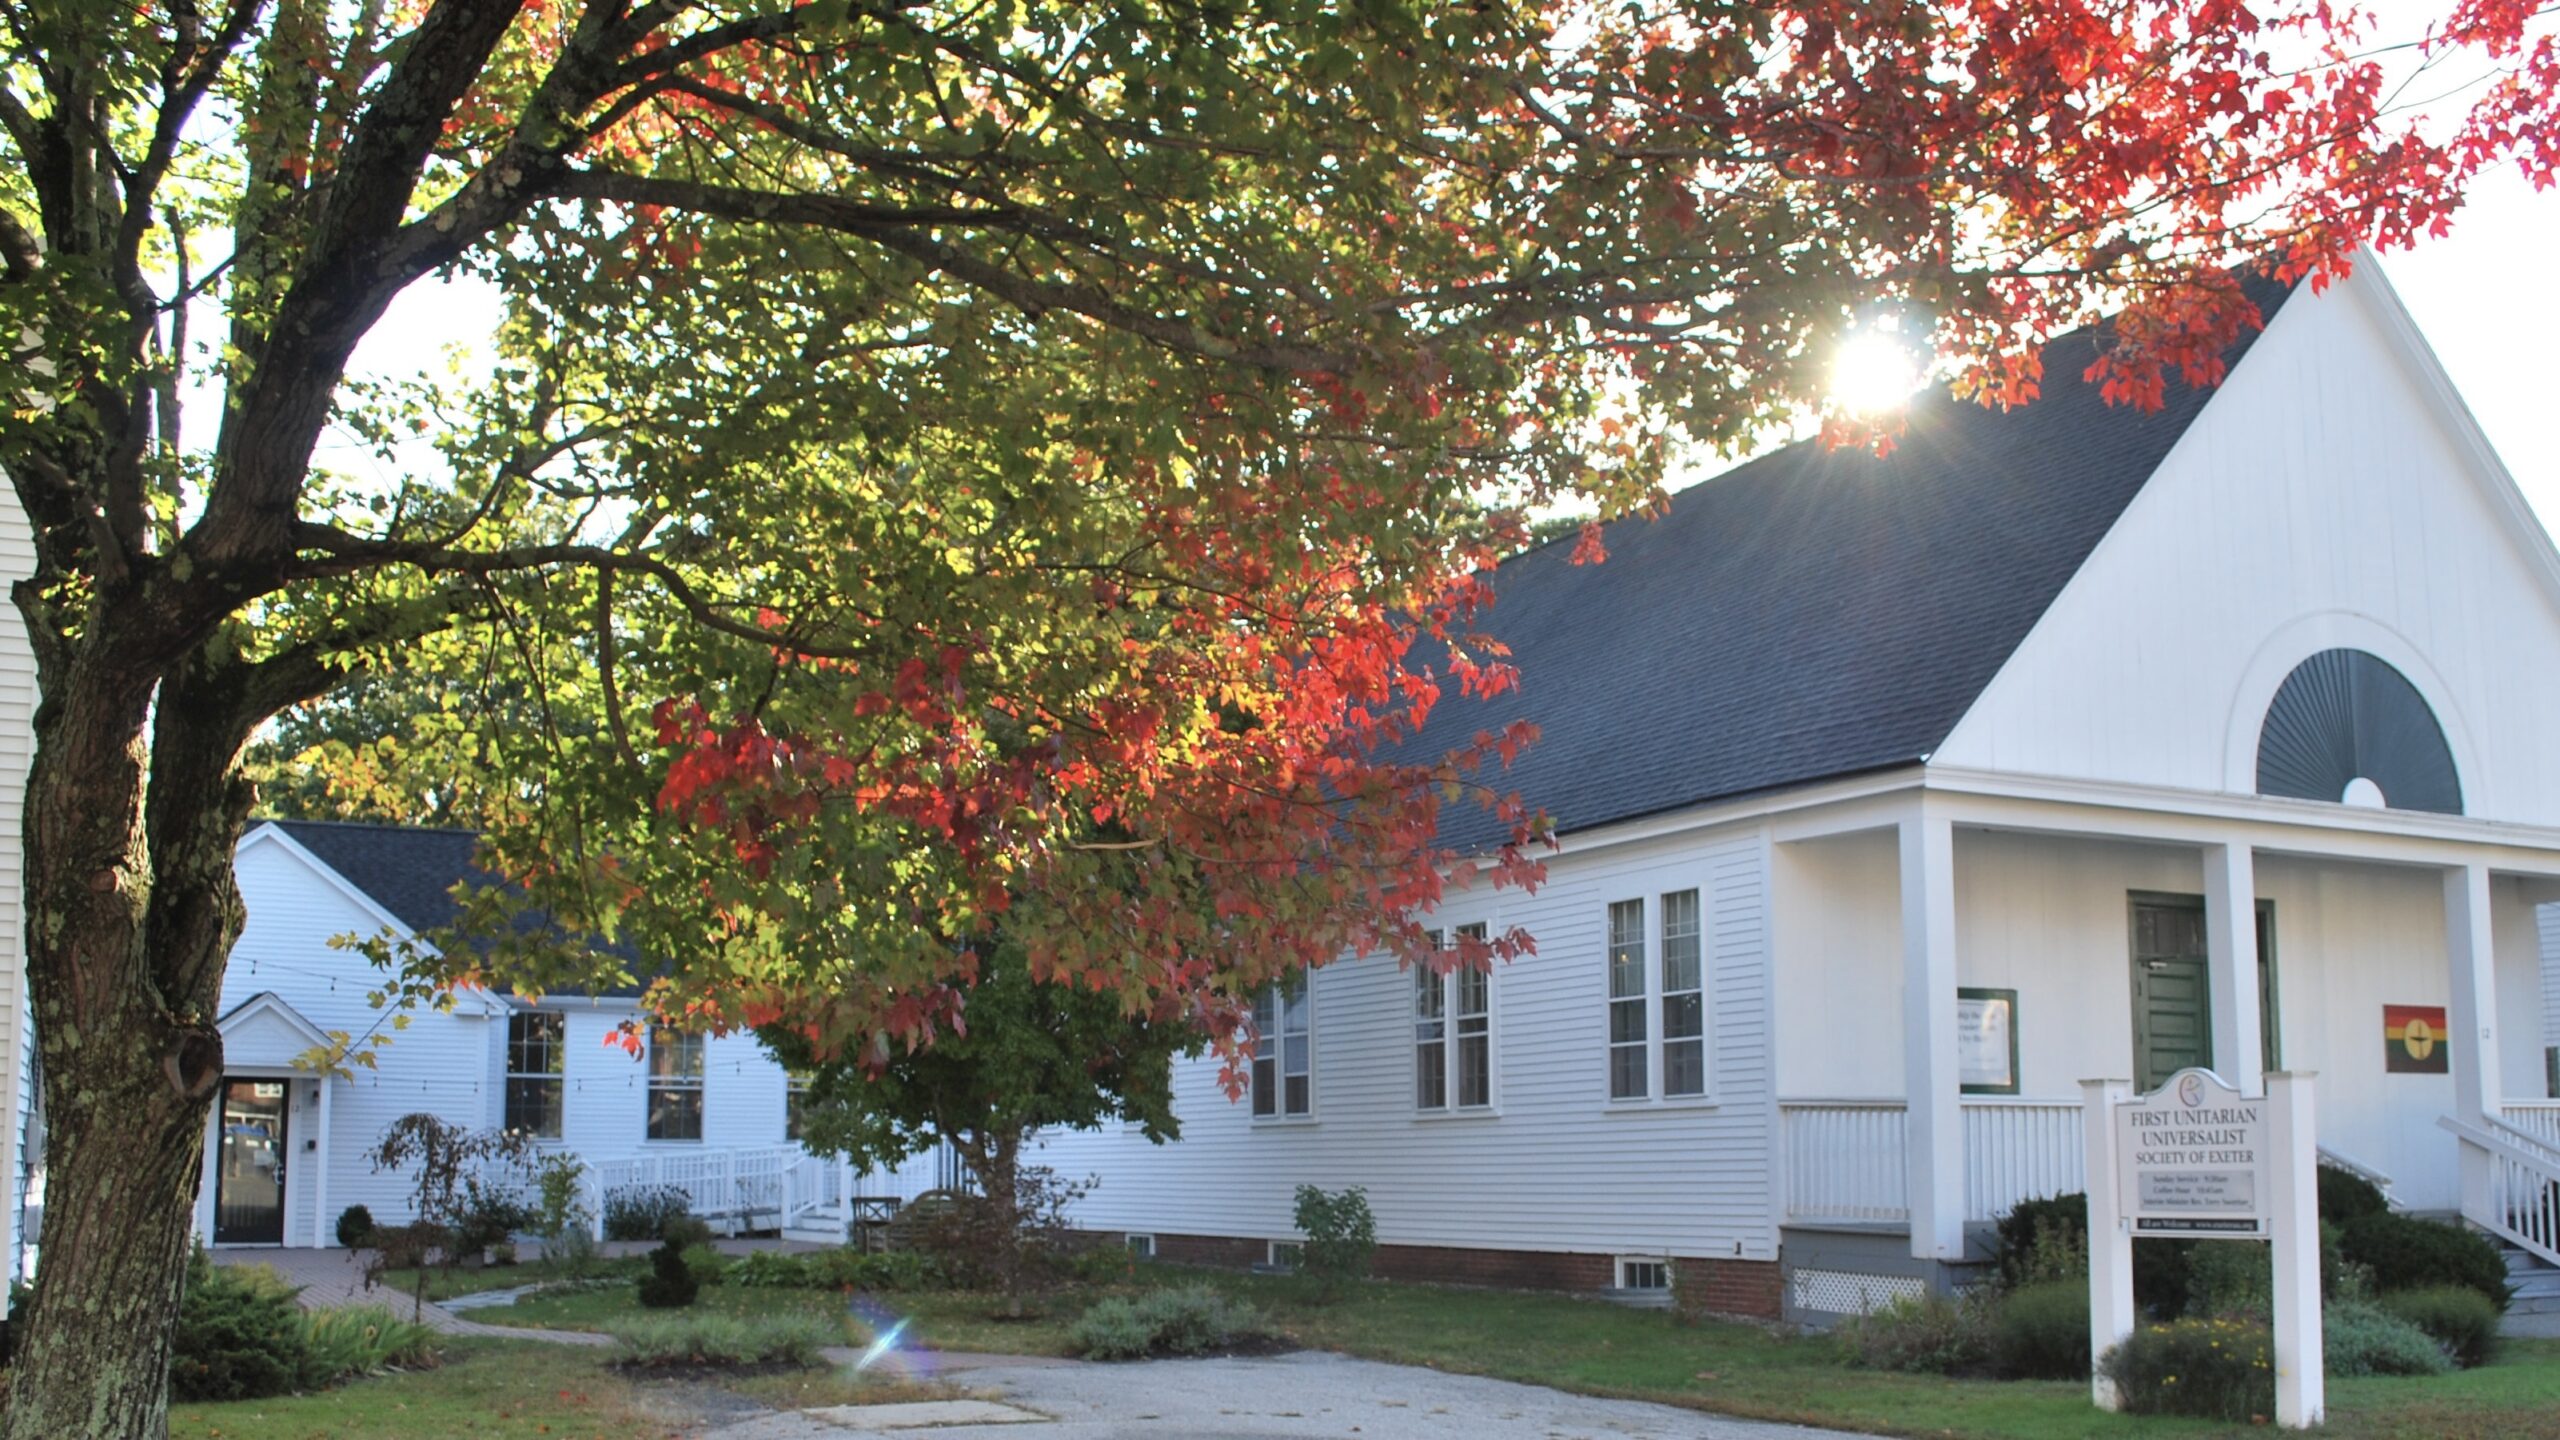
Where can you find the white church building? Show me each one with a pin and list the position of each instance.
(1896, 796)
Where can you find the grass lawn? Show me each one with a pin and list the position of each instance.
(1603, 1349)
(499, 1389)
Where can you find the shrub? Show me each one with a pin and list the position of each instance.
(2359, 1337)
(2213, 1369)
(1340, 1235)
(491, 1215)
(706, 1265)
(560, 1214)
(2037, 1236)
(355, 1227)
(1103, 1265)
(2232, 1280)
(641, 1212)
(2463, 1321)
(2345, 1197)
(2406, 1253)
(1924, 1334)
(723, 1340)
(362, 1340)
(1193, 1320)
(2041, 1331)
(239, 1334)
(686, 1229)
(772, 1269)
(669, 1285)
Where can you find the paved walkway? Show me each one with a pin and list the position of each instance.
(1305, 1394)
(334, 1278)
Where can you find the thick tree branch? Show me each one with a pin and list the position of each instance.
(904, 232)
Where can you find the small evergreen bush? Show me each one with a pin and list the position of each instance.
(355, 1227)
(2359, 1337)
(2406, 1253)
(239, 1334)
(1925, 1335)
(2463, 1321)
(1340, 1235)
(2037, 1235)
(2211, 1369)
(641, 1212)
(2041, 1331)
(1193, 1320)
(669, 1285)
(2345, 1197)
(686, 1229)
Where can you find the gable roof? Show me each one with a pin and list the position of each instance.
(410, 871)
(1810, 614)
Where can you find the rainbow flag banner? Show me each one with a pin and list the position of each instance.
(2414, 1041)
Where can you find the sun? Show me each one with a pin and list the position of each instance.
(1874, 373)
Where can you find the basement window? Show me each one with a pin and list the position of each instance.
(1283, 1254)
(1142, 1247)
(1639, 1273)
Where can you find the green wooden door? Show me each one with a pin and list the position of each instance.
(2172, 998)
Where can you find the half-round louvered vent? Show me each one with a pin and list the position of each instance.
(2344, 716)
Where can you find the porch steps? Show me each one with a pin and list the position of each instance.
(822, 1224)
(2537, 1284)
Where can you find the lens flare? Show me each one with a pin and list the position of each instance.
(1874, 374)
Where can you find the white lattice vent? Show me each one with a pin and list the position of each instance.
(1848, 1292)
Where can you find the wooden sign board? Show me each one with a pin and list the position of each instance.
(2192, 1158)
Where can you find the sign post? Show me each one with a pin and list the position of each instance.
(2196, 1159)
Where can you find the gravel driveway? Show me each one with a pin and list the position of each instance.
(1308, 1393)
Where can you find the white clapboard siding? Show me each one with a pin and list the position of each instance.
(17, 747)
(1556, 1167)
(2332, 494)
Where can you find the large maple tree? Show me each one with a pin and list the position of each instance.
(950, 462)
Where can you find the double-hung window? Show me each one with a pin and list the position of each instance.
(1453, 1035)
(1657, 998)
(675, 1085)
(1283, 1058)
(534, 1056)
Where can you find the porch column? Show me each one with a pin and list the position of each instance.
(1933, 1134)
(323, 1229)
(2473, 1033)
(2231, 961)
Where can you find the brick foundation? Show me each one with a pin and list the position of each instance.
(1706, 1286)
(1730, 1287)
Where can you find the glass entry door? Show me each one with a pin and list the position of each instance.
(248, 1194)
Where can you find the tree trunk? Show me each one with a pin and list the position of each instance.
(132, 910)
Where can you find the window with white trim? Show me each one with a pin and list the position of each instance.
(534, 1055)
(1141, 1247)
(1453, 1034)
(1657, 998)
(1643, 1273)
(1283, 1055)
(675, 1085)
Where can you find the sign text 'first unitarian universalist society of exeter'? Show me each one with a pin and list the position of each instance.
(2195, 1158)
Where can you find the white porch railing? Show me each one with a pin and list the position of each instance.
(2520, 1202)
(2537, 1118)
(1844, 1158)
(2020, 1150)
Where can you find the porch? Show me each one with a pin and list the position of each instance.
(782, 1187)
(2096, 937)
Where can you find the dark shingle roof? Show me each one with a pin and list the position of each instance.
(1810, 614)
(407, 869)
(411, 870)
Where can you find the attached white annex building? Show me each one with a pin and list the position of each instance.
(288, 1147)
(1899, 796)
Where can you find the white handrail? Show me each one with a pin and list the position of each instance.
(2524, 1191)
(2360, 1170)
